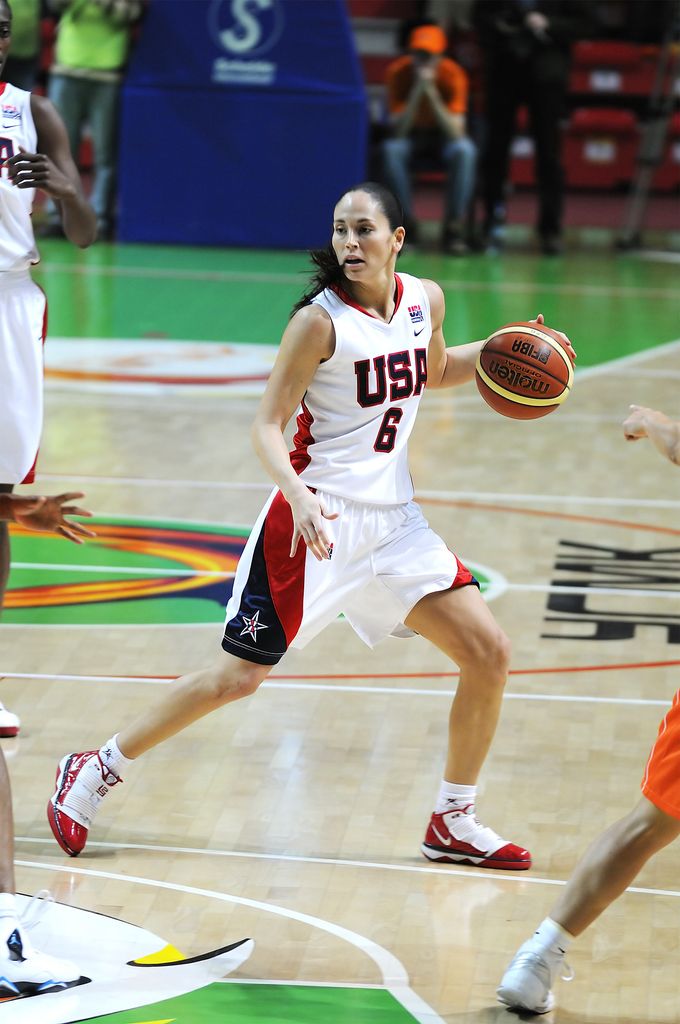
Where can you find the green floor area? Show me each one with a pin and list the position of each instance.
(610, 305)
(270, 1004)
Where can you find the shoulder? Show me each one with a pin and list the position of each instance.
(435, 296)
(312, 327)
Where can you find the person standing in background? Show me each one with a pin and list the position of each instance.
(526, 47)
(427, 96)
(93, 41)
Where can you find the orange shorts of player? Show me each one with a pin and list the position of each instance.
(661, 781)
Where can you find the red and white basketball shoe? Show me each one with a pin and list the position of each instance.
(83, 781)
(9, 723)
(457, 837)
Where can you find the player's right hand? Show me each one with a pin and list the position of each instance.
(308, 516)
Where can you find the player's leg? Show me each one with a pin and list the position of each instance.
(255, 639)
(611, 863)
(84, 779)
(605, 871)
(9, 722)
(459, 623)
(23, 970)
(6, 831)
(608, 867)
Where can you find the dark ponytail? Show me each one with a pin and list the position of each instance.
(329, 272)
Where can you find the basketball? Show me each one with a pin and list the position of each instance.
(523, 371)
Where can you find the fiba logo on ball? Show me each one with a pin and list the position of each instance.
(246, 28)
(524, 371)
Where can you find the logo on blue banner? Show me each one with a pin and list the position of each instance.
(246, 28)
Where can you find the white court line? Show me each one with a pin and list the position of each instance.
(536, 499)
(283, 277)
(394, 974)
(285, 684)
(538, 588)
(143, 571)
(623, 362)
(419, 869)
(659, 256)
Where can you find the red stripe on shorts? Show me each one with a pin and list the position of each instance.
(30, 476)
(286, 575)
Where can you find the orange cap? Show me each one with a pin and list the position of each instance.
(428, 37)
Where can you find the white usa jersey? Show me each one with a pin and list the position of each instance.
(17, 243)
(358, 412)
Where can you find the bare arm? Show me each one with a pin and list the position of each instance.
(662, 431)
(447, 367)
(451, 125)
(403, 121)
(52, 169)
(308, 340)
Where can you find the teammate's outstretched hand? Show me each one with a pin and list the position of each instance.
(47, 514)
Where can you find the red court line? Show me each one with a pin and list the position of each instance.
(447, 675)
(548, 515)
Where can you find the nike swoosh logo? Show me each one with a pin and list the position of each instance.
(416, 333)
(440, 837)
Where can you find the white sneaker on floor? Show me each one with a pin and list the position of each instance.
(24, 971)
(9, 722)
(529, 978)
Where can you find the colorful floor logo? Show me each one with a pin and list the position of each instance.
(141, 364)
(124, 967)
(136, 571)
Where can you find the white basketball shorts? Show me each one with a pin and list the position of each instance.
(23, 323)
(384, 559)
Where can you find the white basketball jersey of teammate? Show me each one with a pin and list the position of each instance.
(358, 412)
(17, 244)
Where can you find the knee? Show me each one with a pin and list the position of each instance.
(488, 652)
(462, 150)
(649, 829)
(231, 681)
(396, 149)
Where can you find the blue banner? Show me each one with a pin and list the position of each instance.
(256, 112)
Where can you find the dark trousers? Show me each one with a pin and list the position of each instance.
(509, 85)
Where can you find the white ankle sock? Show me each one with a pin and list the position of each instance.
(551, 935)
(111, 757)
(8, 904)
(452, 796)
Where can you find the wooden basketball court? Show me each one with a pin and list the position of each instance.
(295, 817)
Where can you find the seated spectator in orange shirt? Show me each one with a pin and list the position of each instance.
(427, 98)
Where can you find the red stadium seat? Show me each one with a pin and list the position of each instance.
(667, 177)
(612, 68)
(600, 148)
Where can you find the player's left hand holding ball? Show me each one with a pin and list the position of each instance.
(567, 345)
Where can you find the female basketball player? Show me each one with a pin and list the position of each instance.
(341, 532)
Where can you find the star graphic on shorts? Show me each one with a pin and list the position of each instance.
(252, 625)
